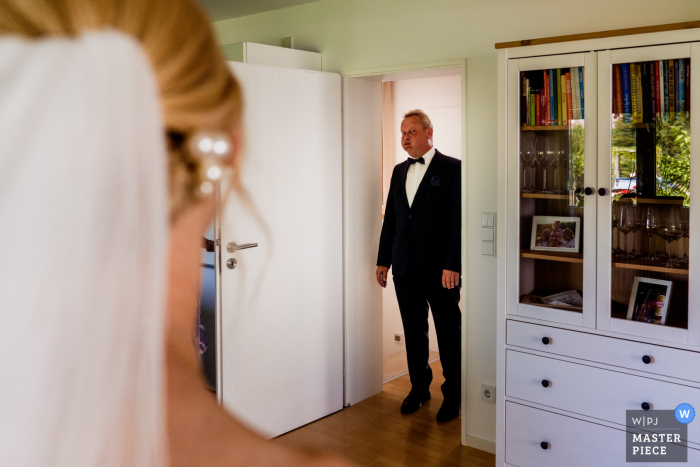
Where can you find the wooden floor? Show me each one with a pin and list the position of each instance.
(395, 365)
(375, 433)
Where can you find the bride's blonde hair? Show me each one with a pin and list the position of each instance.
(197, 89)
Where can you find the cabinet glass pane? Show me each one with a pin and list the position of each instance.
(551, 191)
(650, 169)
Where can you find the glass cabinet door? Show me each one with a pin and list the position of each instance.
(552, 148)
(645, 202)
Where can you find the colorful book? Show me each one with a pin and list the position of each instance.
(562, 93)
(560, 107)
(626, 90)
(645, 81)
(681, 86)
(552, 99)
(652, 89)
(659, 101)
(582, 78)
(667, 91)
(635, 84)
(617, 89)
(678, 94)
(672, 90)
(687, 88)
(570, 110)
(547, 107)
(574, 102)
(538, 108)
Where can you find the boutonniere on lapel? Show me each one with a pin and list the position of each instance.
(435, 181)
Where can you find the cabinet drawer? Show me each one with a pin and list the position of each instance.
(591, 391)
(665, 361)
(572, 442)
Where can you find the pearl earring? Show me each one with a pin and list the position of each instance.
(212, 149)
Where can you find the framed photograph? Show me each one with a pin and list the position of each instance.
(649, 300)
(555, 233)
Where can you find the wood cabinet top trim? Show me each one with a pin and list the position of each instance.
(600, 34)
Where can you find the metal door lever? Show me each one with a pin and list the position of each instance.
(232, 247)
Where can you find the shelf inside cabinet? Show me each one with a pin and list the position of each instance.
(646, 265)
(544, 196)
(553, 256)
(545, 128)
(536, 300)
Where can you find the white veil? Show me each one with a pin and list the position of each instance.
(83, 239)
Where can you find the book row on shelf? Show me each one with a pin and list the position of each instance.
(552, 97)
(644, 91)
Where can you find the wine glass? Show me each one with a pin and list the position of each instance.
(651, 223)
(670, 230)
(622, 226)
(545, 157)
(685, 227)
(615, 224)
(633, 221)
(527, 154)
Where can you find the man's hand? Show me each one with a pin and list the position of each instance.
(382, 275)
(450, 279)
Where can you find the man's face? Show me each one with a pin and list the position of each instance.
(557, 225)
(567, 235)
(545, 235)
(555, 239)
(415, 140)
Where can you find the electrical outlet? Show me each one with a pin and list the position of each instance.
(488, 393)
(398, 337)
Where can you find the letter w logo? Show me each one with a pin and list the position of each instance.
(685, 413)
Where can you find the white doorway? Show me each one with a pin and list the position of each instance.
(439, 94)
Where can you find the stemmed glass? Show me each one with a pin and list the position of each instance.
(560, 157)
(545, 157)
(616, 207)
(670, 230)
(527, 154)
(622, 226)
(651, 223)
(633, 221)
(685, 227)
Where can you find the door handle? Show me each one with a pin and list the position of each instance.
(232, 247)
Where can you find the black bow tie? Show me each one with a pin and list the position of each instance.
(412, 161)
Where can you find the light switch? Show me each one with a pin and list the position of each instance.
(488, 249)
(487, 234)
(484, 220)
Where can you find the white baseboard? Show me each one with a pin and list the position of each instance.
(480, 444)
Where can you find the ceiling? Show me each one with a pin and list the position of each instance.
(224, 9)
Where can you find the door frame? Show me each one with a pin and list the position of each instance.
(460, 63)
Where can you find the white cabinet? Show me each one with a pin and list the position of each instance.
(599, 302)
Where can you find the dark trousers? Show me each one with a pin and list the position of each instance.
(414, 293)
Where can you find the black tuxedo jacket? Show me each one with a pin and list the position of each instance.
(432, 223)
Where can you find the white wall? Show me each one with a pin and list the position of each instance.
(367, 34)
(441, 99)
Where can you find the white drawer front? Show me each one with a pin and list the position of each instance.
(572, 442)
(591, 391)
(665, 361)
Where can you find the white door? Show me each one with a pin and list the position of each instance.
(281, 360)
(362, 171)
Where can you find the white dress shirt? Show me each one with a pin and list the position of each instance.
(415, 175)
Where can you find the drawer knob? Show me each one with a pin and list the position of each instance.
(646, 406)
(646, 359)
(545, 383)
(546, 340)
(544, 445)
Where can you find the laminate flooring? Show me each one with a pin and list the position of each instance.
(395, 365)
(374, 433)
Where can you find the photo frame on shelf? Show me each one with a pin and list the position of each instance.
(556, 233)
(649, 300)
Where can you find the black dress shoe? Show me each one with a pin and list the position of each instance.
(448, 411)
(413, 401)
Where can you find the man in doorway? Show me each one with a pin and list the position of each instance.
(421, 240)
